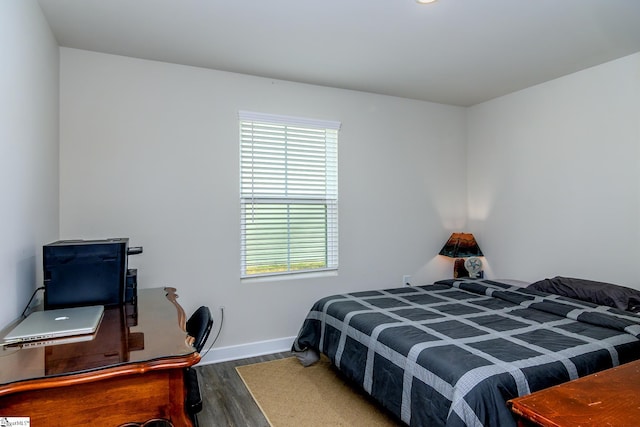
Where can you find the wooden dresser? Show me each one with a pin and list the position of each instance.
(607, 398)
(131, 372)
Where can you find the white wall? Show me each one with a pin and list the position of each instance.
(149, 151)
(554, 177)
(28, 150)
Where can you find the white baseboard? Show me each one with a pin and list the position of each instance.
(242, 351)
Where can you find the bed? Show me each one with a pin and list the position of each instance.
(452, 353)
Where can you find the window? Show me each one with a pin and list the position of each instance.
(289, 194)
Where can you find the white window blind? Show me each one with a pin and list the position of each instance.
(289, 194)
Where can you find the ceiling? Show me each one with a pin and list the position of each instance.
(458, 52)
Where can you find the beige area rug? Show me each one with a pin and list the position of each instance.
(291, 395)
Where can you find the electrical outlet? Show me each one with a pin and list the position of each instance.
(406, 279)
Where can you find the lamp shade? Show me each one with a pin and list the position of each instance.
(461, 245)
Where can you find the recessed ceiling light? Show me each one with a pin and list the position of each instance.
(426, 1)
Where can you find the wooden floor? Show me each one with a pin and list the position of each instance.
(226, 402)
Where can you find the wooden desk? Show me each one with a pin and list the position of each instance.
(607, 398)
(132, 371)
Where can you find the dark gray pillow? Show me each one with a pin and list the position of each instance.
(600, 293)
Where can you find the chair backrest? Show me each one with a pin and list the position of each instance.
(199, 325)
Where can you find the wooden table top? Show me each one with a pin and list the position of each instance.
(130, 339)
(607, 398)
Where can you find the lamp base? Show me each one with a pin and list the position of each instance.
(458, 269)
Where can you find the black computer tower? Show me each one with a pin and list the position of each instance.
(85, 272)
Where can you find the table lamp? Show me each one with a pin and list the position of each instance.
(461, 246)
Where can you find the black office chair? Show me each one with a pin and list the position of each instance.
(198, 326)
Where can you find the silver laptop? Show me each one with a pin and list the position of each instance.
(60, 323)
(51, 341)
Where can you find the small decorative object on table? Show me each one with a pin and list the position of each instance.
(474, 267)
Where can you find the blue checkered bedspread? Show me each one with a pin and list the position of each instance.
(453, 353)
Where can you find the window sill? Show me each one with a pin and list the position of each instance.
(289, 276)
